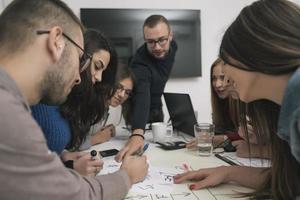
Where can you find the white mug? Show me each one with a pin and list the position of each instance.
(159, 130)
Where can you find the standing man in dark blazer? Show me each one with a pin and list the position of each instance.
(152, 65)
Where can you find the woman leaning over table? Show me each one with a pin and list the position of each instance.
(261, 54)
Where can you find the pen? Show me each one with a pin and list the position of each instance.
(145, 147)
(185, 167)
(140, 152)
(225, 159)
(93, 154)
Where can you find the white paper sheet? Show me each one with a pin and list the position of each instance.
(158, 180)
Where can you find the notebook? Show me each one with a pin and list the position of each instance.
(181, 112)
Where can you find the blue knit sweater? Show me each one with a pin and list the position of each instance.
(56, 129)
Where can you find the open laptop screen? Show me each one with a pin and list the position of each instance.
(181, 112)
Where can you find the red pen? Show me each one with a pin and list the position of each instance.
(185, 167)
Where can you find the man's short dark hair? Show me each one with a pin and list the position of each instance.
(21, 19)
(153, 20)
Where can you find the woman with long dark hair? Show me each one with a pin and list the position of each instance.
(66, 127)
(261, 54)
(105, 129)
(220, 100)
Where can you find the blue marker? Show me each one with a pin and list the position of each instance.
(144, 149)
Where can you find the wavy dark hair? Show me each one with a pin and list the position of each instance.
(222, 109)
(86, 103)
(265, 38)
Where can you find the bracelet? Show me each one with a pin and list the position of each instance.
(134, 134)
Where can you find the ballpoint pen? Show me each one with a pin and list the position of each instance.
(141, 151)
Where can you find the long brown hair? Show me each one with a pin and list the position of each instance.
(222, 109)
(265, 38)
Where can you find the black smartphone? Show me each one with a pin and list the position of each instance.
(109, 152)
(172, 145)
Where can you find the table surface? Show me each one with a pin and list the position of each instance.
(168, 159)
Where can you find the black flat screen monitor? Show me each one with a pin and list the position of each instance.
(125, 28)
(181, 112)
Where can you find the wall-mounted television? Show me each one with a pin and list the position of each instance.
(124, 28)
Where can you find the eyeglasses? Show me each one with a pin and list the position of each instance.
(162, 41)
(84, 60)
(120, 88)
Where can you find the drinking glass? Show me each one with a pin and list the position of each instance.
(204, 133)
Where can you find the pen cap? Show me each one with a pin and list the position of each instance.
(93, 153)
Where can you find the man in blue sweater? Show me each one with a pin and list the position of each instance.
(151, 65)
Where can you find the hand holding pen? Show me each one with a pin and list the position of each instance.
(95, 164)
(140, 152)
(136, 167)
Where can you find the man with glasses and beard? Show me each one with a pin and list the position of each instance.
(151, 66)
(41, 54)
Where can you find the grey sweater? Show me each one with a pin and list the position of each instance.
(28, 170)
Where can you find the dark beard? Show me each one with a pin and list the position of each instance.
(53, 84)
(52, 89)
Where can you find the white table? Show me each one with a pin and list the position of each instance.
(168, 159)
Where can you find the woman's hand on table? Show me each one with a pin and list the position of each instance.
(203, 178)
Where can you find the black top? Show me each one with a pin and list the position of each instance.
(151, 76)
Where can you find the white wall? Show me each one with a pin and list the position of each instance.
(216, 15)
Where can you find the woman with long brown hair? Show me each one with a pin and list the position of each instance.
(261, 54)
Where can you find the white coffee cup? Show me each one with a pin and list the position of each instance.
(159, 130)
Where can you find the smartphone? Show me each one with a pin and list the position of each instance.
(109, 152)
(172, 145)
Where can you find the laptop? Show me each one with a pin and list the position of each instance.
(181, 112)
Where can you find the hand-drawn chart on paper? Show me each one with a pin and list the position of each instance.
(158, 185)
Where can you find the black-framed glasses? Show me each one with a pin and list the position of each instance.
(120, 88)
(160, 41)
(84, 60)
